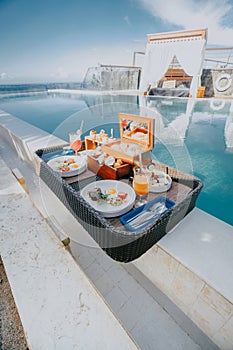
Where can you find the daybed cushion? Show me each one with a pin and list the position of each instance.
(169, 92)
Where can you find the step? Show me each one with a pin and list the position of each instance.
(24, 137)
(191, 265)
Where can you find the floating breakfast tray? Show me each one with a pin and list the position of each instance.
(111, 235)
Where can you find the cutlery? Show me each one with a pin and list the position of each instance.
(147, 214)
(154, 215)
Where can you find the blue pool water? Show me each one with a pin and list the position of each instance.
(194, 136)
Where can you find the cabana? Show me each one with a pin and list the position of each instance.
(187, 46)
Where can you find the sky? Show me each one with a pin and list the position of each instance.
(57, 40)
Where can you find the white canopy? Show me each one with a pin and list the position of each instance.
(189, 51)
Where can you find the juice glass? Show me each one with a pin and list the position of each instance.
(141, 185)
(75, 142)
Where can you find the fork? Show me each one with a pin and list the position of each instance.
(148, 214)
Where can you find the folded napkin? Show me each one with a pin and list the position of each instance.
(58, 153)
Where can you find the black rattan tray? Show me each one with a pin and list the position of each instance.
(119, 243)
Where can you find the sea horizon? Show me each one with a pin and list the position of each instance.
(29, 87)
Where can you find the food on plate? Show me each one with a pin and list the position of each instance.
(75, 166)
(69, 161)
(122, 195)
(65, 169)
(159, 178)
(115, 201)
(66, 165)
(97, 195)
(109, 196)
(112, 191)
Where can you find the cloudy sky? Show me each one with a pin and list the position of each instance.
(57, 40)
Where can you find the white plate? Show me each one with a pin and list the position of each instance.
(80, 161)
(106, 209)
(164, 183)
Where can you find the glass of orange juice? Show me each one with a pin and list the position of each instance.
(141, 185)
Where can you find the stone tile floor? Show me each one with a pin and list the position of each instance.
(147, 322)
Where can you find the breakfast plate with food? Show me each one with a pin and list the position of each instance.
(110, 198)
(160, 181)
(68, 165)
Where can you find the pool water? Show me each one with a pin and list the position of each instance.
(196, 136)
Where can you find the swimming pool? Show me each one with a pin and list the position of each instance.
(194, 136)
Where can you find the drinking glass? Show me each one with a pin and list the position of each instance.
(141, 185)
(75, 142)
